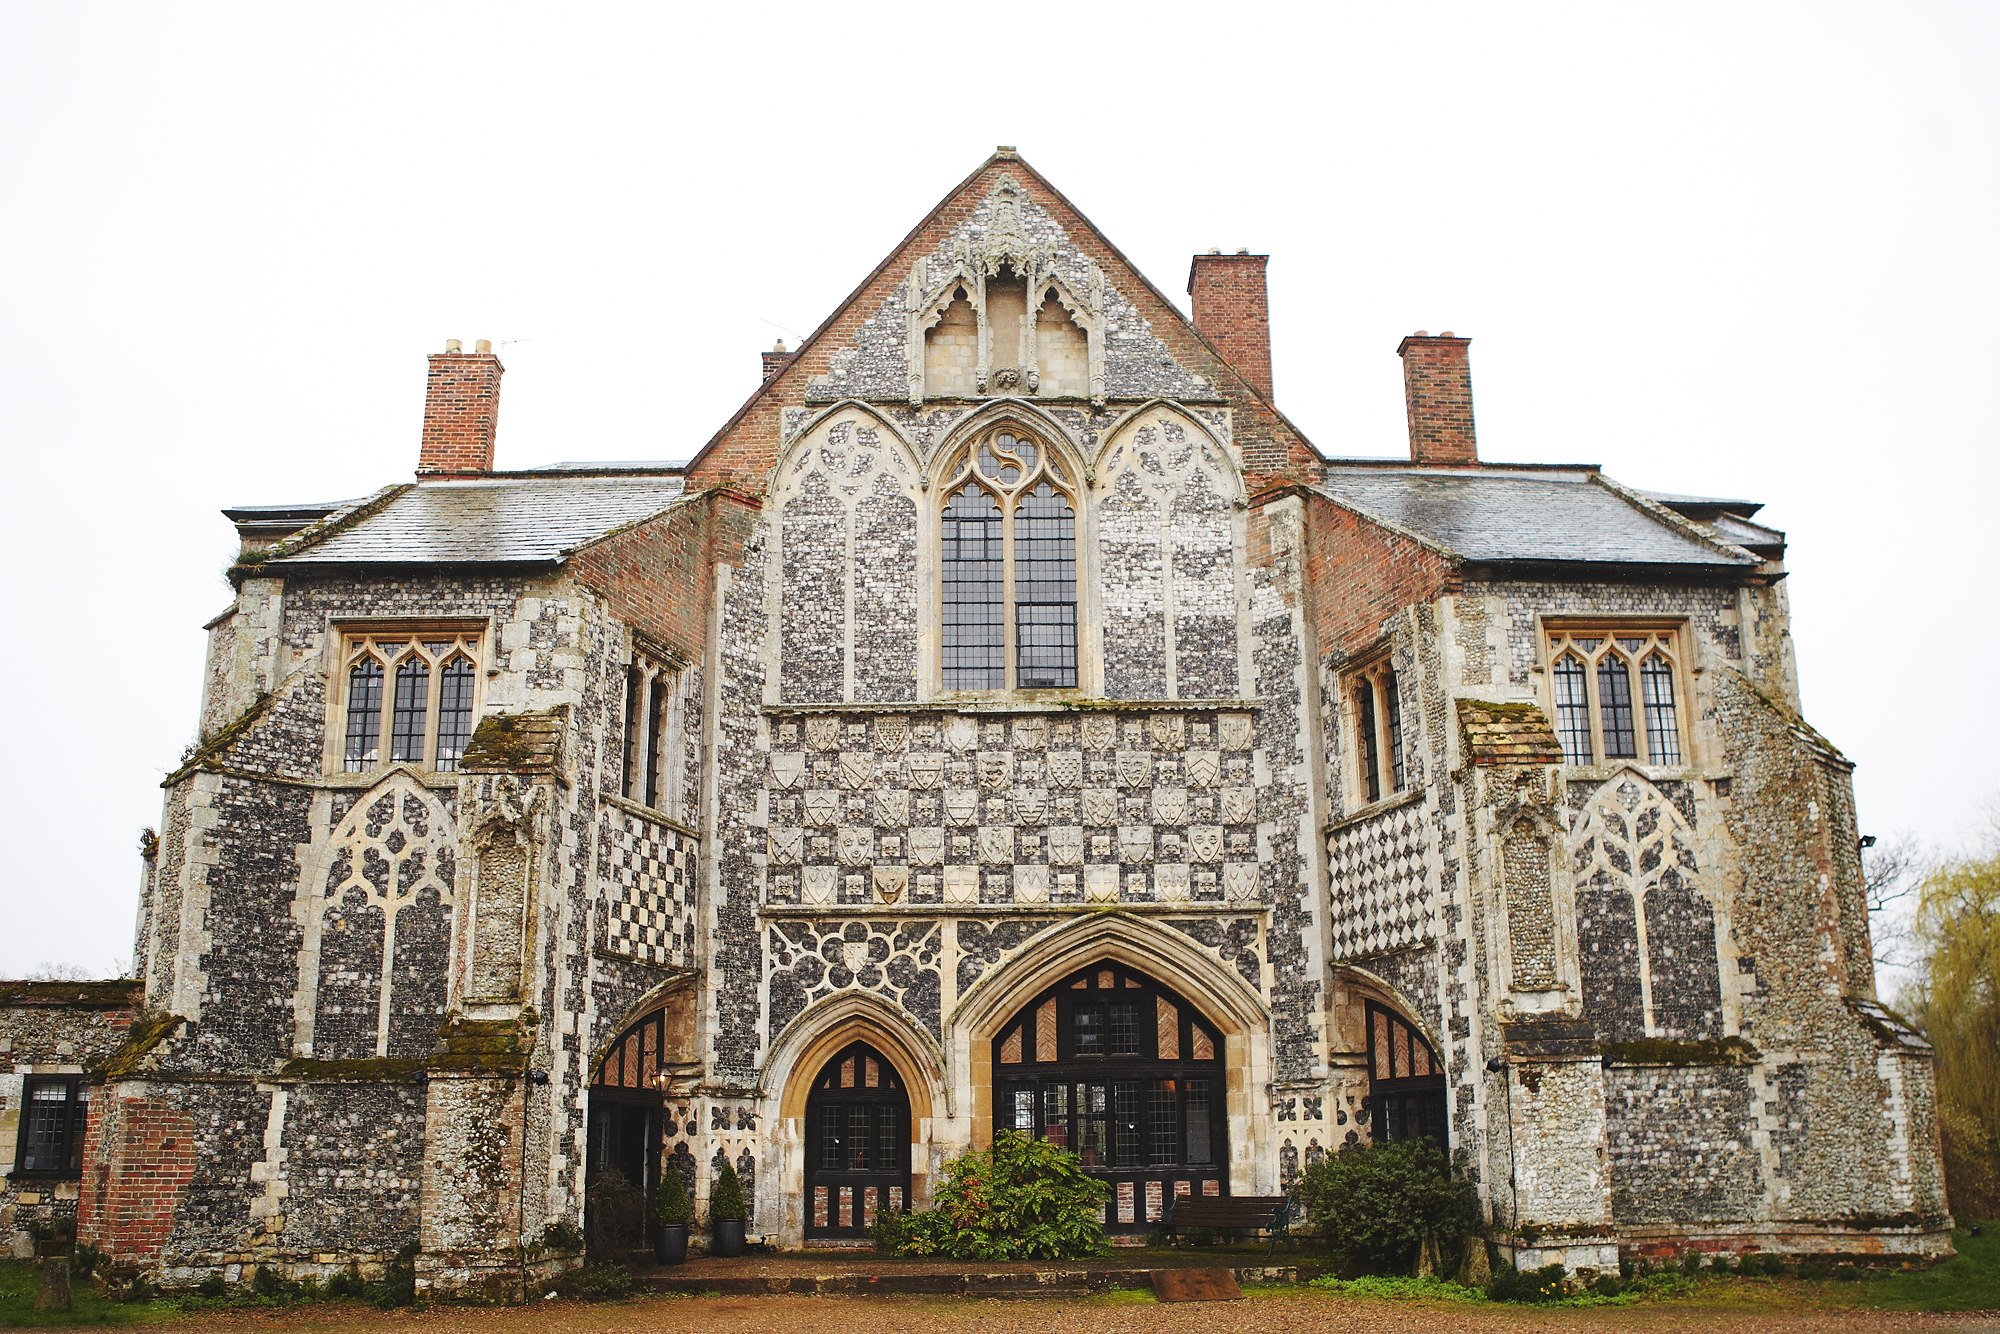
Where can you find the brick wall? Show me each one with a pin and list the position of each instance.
(1437, 394)
(139, 1158)
(1233, 308)
(656, 575)
(1358, 574)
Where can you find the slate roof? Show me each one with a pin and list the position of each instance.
(1545, 515)
(511, 520)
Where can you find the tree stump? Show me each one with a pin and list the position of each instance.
(53, 1295)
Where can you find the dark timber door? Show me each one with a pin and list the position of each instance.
(1113, 1065)
(857, 1144)
(1405, 1081)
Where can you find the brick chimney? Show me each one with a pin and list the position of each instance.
(1232, 309)
(1437, 390)
(777, 359)
(461, 410)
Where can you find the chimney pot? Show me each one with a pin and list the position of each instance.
(1232, 309)
(1437, 393)
(777, 359)
(461, 410)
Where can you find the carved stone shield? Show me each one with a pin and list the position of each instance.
(995, 770)
(1205, 842)
(822, 809)
(890, 881)
(819, 882)
(925, 769)
(1100, 806)
(1028, 770)
(924, 733)
(1169, 730)
(1135, 767)
(822, 733)
(961, 805)
(857, 845)
(857, 768)
(854, 955)
(892, 807)
(1135, 843)
(1234, 731)
(1066, 845)
(961, 733)
(892, 734)
(1031, 805)
(787, 767)
(786, 846)
(1204, 767)
(996, 845)
(1170, 805)
(1239, 805)
(1065, 768)
(927, 845)
(1099, 732)
(1031, 733)
(1241, 880)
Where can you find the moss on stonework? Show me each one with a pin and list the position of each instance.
(506, 742)
(115, 994)
(484, 1046)
(368, 1069)
(1662, 1051)
(149, 1029)
(220, 740)
(249, 564)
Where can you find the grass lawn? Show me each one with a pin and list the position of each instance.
(20, 1281)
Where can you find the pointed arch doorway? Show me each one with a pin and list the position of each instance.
(1128, 1074)
(857, 1144)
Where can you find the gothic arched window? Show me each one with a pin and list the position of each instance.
(1007, 577)
(428, 684)
(1599, 716)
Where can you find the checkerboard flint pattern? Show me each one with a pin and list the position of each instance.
(649, 878)
(1377, 866)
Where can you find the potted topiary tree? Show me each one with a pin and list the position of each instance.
(726, 1213)
(669, 1216)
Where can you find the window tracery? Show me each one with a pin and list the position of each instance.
(1007, 572)
(430, 678)
(1600, 716)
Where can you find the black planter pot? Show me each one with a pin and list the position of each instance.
(725, 1236)
(670, 1242)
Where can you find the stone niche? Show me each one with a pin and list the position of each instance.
(950, 809)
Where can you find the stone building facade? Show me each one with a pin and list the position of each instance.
(1007, 719)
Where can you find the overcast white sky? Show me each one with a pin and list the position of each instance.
(1742, 250)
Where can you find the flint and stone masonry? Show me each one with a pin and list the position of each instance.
(649, 817)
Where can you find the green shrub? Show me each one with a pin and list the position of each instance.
(265, 1282)
(670, 1201)
(1402, 1286)
(889, 1231)
(212, 1286)
(725, 1197)
(1606, 1285)
(1845, 1273)
(399, 1281)
(563, 1235)
(1550, 1283)
(1718, 1263)
(1812, 1269)
(348, 1283)
(1376, 1204)
(1023, 1199)
(85, 1260)
(1691, 1262)
(601, 1283)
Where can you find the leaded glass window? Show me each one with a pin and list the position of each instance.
(1007, 574)
(364, 714)
(1392, 713)
(431, 682)
(1598, 718)
(53, 1113)
(1663, 732)
(1378, 731)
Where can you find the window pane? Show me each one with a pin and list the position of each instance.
(46, 1139)
(1045, 590)
(656, 714)
(1392, 709)
(1614, 707)
(1124, 1029)
(1125, 1117)
(1163, 1123)
(413, 696)
(1371, 761)
(1024, 1110)
(888, 1138)
(833, 1125)
(1055, 1114)
(454, 711)
(1087, 1022)
(1090, 1124)
(1572, 710)
(1663, 731)
(635, 688)
(971, 580)
(364, 716)
(860, 1143)
(1200, 1143)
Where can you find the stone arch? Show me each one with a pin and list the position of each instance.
(827, 1025)
(787, 453)
(655, 998)
(1222, 995)
(1155, 408)
(1031, 416)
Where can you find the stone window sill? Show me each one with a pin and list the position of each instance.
(1407, 797)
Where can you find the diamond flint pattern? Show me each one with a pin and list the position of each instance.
(650, 870)
(1379, 901)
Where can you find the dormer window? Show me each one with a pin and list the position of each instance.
(1007, 574)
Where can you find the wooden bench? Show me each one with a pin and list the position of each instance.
(1239, 1214)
